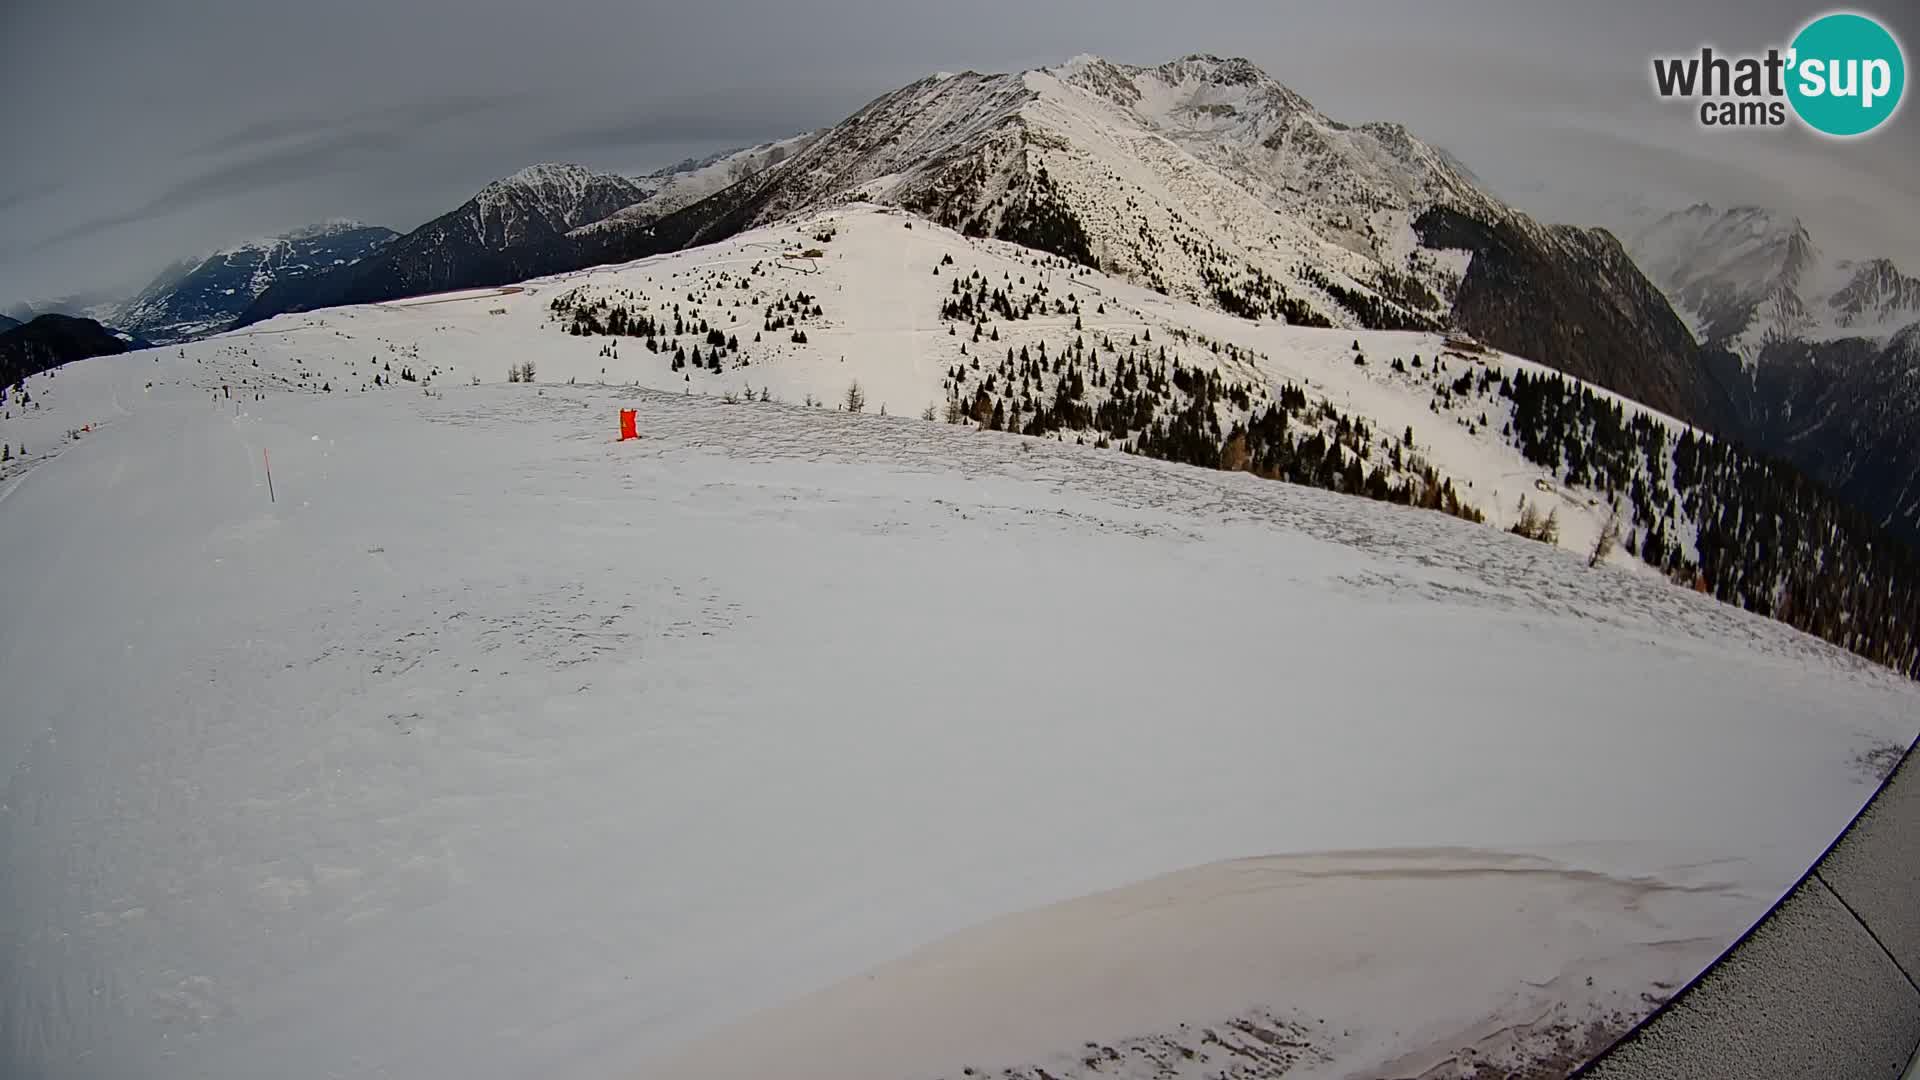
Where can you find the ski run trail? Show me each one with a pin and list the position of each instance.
(785, 742)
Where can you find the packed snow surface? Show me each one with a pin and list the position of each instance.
(492, 747)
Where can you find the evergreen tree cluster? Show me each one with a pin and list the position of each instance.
(1255, 294)
(787, 311)
(621, 314)
(1752, 531)
(1042, 220)
(1374, 312)
(1147, 399)
(974, 299)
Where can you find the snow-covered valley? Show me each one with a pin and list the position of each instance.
(487, 745)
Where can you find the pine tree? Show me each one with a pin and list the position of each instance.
(1609, 536)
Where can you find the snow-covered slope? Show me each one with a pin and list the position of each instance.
(197, 297)
(881, 280)
(485, 744)
(681, 185)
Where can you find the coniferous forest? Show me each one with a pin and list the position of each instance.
(1753, 531)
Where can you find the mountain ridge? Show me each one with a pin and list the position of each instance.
(197, 296)
(47, 341)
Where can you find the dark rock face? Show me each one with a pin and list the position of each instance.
(1572, 299)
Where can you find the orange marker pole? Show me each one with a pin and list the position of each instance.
(269, 464)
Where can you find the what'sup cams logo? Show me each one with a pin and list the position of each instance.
(1842, 76)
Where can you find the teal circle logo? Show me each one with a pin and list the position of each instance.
(1847, 74)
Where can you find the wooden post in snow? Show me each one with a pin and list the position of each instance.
(269, 464)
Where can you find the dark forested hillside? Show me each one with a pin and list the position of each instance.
(51, 340)
(1572, 298)
(1847, 412)
(1752, 530)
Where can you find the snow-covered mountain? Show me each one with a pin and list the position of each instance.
(549, 198)
(685, 183)
(1747, 277)
(1876, 294)
(1737, 274)
(515, 227)
(1202, 178)
(196, 297)
(1206, 179)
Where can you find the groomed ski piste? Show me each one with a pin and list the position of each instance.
(790, 742)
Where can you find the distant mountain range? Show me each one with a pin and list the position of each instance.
(682, 185)
(541, 220)
(96, 304)
(197, 297)
(1747, 277)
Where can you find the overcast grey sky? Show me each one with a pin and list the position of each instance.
(139, 131)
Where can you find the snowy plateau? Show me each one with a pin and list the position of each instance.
(787, 741)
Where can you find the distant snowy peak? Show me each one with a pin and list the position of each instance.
(564, 196)
(322, 230)
(1877, 292)
(1263, 135)
(514, 228)
(1749, 277)
(1230, 99)
(196, 297)
(1202, 176)
(687, 182)
(1736, 273)
(1749, 244)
